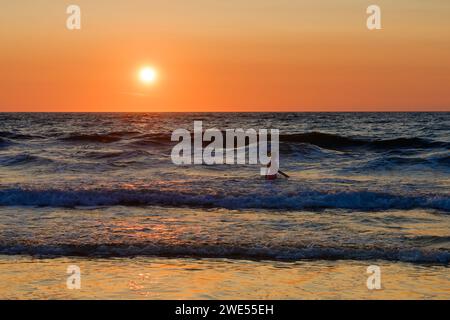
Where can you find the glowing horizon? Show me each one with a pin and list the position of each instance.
(225, 56)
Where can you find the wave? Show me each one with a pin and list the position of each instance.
(110, 137)
(392, 162)
(429, 239)
(319, 139)
(332, 141)
(152, 139)
(115, 154)
(18, 136)
(96, 138)
(22, 159)
(125, 133)
(229, 251)
(356, 200)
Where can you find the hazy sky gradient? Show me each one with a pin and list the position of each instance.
(225, 55)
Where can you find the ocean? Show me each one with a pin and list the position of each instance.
(363, 187)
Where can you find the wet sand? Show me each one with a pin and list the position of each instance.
(23, 277)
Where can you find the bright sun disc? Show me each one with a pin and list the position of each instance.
(148, 75)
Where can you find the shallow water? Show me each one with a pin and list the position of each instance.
(419, 236)
(156, 278)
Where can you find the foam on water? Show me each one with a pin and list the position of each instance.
(361, 200)
(352, 171)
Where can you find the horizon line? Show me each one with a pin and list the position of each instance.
(343, 111)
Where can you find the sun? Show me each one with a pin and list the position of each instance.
(148, 75)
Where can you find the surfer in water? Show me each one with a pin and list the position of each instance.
(273, 171)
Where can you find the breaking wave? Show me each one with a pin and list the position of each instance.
(323, 140)
(231, 252)
(358, 200)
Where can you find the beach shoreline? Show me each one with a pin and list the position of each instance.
(154, 278)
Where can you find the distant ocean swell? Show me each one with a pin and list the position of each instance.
(433, 160)
(320, 139)
(323, 140)
(231, 252)
(357, 200)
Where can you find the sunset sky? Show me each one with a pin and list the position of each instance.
(225, 55)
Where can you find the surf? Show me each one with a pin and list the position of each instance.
(292, 200)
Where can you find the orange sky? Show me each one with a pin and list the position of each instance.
(234, 55)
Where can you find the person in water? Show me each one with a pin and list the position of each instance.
(273, 171)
